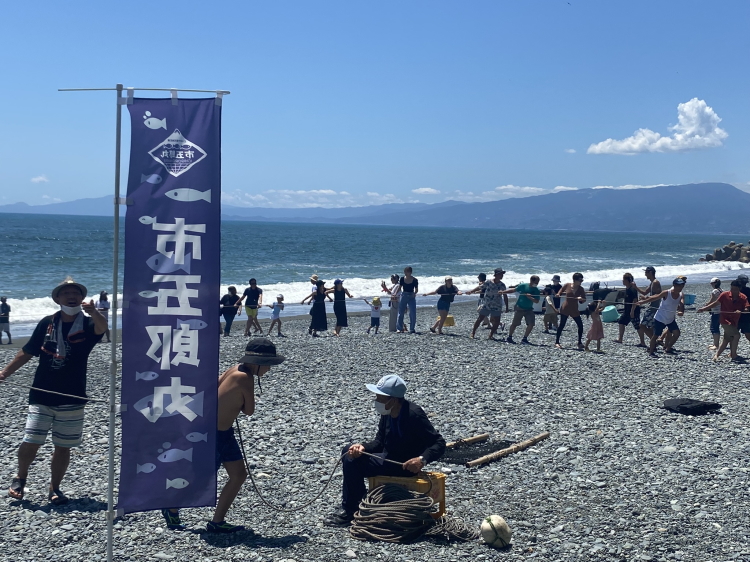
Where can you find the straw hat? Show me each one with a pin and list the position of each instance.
(69, 283)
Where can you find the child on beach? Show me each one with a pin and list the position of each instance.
(596, 332)
(550, 311)
(375, 307)
(276, 309)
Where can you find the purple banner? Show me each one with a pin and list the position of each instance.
(170, 325)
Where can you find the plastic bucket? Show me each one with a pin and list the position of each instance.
(610, 314)
(689, 300)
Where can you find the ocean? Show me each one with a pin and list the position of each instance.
(38, 251)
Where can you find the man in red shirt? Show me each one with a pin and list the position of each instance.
(732, 302)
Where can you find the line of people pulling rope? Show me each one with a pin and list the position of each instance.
(652, 310)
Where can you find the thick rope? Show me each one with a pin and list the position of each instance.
(391, 513)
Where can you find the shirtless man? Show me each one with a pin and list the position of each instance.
(236, 394)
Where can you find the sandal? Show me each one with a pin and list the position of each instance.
(16, 489)
(56, 497)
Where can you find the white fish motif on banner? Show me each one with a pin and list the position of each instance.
(187, 195)
(153, 179)
(153, 122)
(147, 220)
(195, 437)
(148, 467)
(148, 294)
(195, 323)
(147, 376)
(162, 264)
(177, 483)
(173, 455)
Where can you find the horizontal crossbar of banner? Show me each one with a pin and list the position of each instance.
(143, 90)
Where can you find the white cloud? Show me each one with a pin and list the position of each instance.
(560, 188)
(697, 127)
(518, 191)
(628, 186)
(301, 198)
(425, 191)
(39, 179)
(570, 150)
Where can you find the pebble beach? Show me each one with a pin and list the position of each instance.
(620, 478)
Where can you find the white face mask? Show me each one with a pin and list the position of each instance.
(381, 409)
(71, 310)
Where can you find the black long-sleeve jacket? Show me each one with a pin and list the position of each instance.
(408, 436)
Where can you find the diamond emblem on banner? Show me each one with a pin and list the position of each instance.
(177, 154)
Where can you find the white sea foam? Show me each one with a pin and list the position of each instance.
(27, 312)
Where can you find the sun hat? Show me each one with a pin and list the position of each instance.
(742, 278)
(338, 282)
(678, 281)
(262, 352)
(313, 278)
(389, 385)
(555, 278)
(499, 270)
(376, 300)
(715, 280)
(69, 283)
(448, 278)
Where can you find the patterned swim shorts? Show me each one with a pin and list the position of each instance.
(66, 423)
(647, 320)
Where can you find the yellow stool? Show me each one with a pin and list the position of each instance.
(449, 321)
(418, 484)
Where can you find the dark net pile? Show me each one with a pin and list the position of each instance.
(463, 453)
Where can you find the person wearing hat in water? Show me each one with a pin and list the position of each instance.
(405, 435)
(375, 307)
(671, 305)
(62, 342)
(236, 395)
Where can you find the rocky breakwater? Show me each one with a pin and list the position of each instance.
(730, 252)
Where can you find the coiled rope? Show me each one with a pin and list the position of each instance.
(391, 513)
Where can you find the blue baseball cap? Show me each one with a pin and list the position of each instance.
(338, 282)
(389, 385)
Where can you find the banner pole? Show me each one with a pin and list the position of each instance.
(113, 359)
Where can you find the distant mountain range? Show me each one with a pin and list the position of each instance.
(674, 208)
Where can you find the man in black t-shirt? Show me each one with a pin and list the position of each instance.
(254, 302)
(62, 342)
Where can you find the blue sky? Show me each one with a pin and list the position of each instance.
(341, 103)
